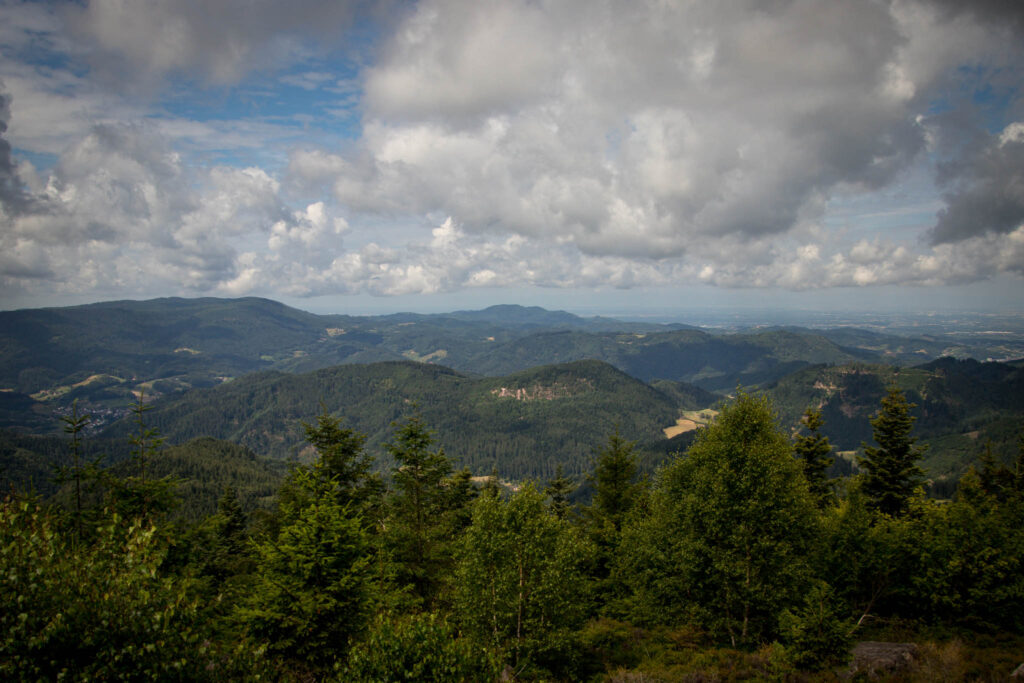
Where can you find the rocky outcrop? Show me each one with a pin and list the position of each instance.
(882, 660)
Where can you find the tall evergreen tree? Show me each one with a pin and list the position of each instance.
(558, 491)
(892, 470)
(74, 424)
(342, 457)
(614, 480)
(311, 592)
(418, 521)
(813, 450)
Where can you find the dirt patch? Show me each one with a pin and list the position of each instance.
(681, 426)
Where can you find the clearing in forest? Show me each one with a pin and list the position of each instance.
(690, 420)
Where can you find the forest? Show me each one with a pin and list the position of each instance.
(739, 558)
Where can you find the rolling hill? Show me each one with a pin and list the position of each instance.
(522, 425)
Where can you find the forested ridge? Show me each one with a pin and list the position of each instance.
(738, 559)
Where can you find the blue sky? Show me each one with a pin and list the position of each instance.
(434, 155)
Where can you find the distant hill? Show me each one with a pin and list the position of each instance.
(961, 406)
(716, 363)
(522, 425)
(104, 355)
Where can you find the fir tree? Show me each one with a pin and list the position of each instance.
(892, 470)
(74, 424)
(814, 451)
(614, 480)
(418, 508)
(558, 491)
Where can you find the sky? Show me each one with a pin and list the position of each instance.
(591, 155)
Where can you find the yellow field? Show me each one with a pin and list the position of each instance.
(689, 421)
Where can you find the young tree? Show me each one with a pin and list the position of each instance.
(814, 451)
(732, 522)
(342, 458)
(520, 584)
(136, 495)
(558, 491)
(892, 470)
(614, 480)
(311, 591)
(419, 523)
(74, 424)
(95, 611)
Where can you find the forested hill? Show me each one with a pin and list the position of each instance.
(961, 406)
(105, 354)
(522, 424)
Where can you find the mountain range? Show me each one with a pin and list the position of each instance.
(513, 389)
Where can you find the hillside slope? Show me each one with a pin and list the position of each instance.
(961, 405)
(522, 424)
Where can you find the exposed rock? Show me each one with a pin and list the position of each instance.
(883, 659)
(1018, 673)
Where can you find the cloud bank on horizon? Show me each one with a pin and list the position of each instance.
(317, 148)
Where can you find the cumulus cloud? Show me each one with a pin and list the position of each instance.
(985, 190)
(218, 41)
(632, 129)
(120, 210)
(12, 194)
(516, 142)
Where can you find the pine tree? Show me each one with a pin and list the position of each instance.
(614, 480)
(311, 592)
(558, 491)
(813, 451)
(342, 457)
(74, 424)
(136, 495)
(418, 519)
(892, 470)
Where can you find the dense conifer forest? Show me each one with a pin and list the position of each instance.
(737, 559)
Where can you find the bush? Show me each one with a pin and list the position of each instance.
(817, 637)
(419, 648)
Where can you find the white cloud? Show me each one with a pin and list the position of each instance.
(219, 41)
(570, 144)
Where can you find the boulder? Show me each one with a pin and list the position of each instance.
(877, 659)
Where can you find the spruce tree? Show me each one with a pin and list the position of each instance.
(74, 424)
(892, 470)
(342, 458)
(419, 522)
(814, 451)
(558, 491)
(614, 480)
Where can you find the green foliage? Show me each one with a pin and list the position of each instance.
(342, 457)
(311, 591)
(730, 529)
(816, 634)
(94, 611)
(419, 523)
(814, 450)
(558, 490)
(74, 425)
(421, 647)
(614, 481)
(520, 582)
(966, 561)
(892, 472)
